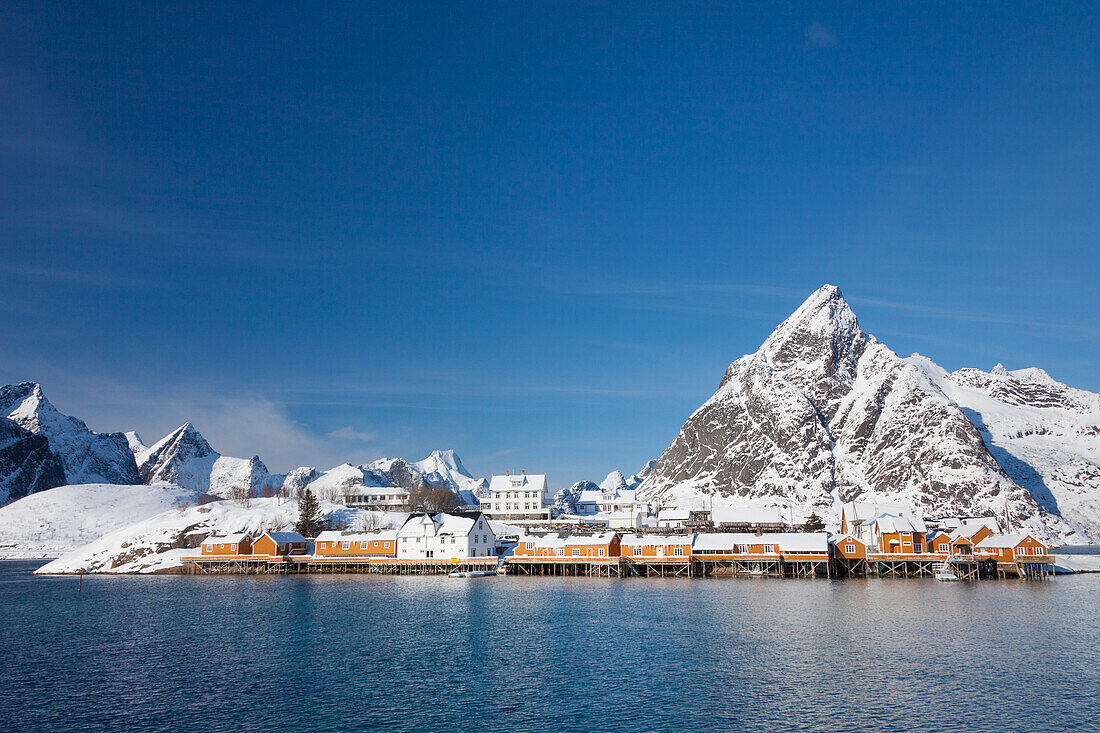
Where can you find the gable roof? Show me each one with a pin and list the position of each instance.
(282, 538)
(1005, 541)
(890, 523)
(229, 539)
(523, 482)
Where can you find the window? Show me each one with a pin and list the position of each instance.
(638, 550)
(576, 552)
(944, 547)
(678, 552)
(232, 548)
(850, 548)
(345, 545)
(530, 545)
(561, 552)
(769, 548)
(742, 548)
(602, 552)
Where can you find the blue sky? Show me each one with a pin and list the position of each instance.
(535, 233)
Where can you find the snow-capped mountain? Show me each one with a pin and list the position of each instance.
(445, 468)
(184, 458)
(27, 464)
(565, 500)
(86, 457)
(823, 413)
(441, 468)
(1045, 434)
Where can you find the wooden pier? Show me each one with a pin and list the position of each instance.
(303, 565)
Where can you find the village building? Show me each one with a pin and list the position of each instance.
(280, 544)
(334, 544)
(673, 518)
(657, 547)
(230, 545)
(443, 536)
(896, 535)
(520, 497)
(1013, 547)
(377, 498)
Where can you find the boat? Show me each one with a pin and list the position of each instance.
(945, 573)
(471, 574)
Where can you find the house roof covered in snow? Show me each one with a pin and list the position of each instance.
(889, 523)
(229, 539)
(283, 538)
(371, 536)
(601, 538)
(522, 481)
(657, 540)
(1003, 541)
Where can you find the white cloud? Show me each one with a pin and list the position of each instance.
(350, 433)
(819, 36)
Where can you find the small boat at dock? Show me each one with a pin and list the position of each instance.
(471, 574)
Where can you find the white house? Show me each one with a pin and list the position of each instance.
(445, 536)
(521, 496)
(376, 498)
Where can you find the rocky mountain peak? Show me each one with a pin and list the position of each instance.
(87, 457)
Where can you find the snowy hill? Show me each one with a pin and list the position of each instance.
(184, 458)
(823, 413)
(86, 457)
(55, 521)
(158, 543)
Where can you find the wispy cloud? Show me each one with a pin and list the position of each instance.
(349, 433)
(1075, 330)
(91, 277)
(819, 36)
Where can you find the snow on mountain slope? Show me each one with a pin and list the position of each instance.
(159, 543)
(137, 447)
(823, 413)
(87, 457)
(55, 521)
(184, 458)
(445, 467)
(27, 464)
(1044, 433)
(615, 481)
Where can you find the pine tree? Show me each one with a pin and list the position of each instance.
(813, 523)
(310, 521)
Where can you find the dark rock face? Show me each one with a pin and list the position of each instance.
(400, 474)
(823, 413)
(26, 463)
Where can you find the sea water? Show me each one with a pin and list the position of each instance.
(338, 653)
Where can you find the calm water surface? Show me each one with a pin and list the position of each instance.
(502, 654)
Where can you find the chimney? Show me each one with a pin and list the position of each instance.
(523, 471)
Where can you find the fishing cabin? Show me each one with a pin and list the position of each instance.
(230, 545)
